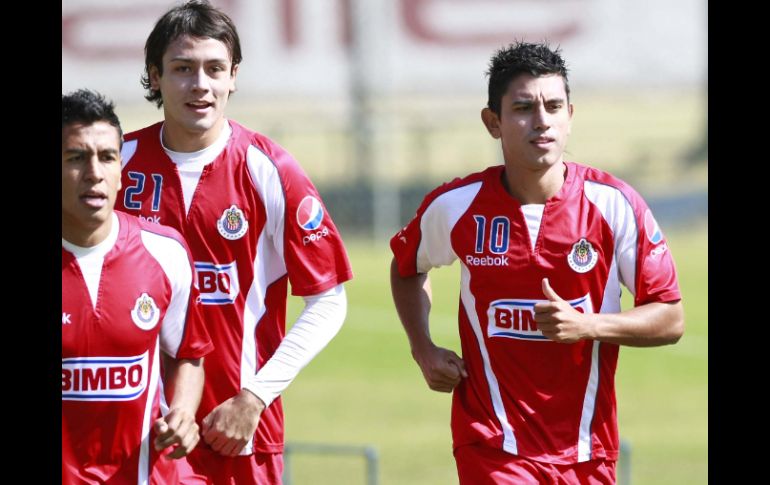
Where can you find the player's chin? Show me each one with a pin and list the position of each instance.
(207, 122)
(97, 218)
(548, 160)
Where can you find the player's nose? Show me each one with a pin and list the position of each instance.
(93, 169)
(201, 80)
(541, 118)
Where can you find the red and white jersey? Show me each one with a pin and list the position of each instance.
(528, 395)
(255, 223)
(110, 366)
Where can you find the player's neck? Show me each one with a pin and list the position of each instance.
(85, 237)
(179, 139)
(534, 186)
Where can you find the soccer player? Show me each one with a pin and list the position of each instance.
(254, 223)
(544, 245)
(125, 291)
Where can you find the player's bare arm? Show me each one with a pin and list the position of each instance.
(442, 368)
(649, 325)
(184, 384)
(230, 426)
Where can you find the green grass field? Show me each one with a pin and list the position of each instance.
(364, 387)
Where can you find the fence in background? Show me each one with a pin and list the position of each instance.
(369, 453)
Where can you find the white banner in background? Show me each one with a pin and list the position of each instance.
(301, 47)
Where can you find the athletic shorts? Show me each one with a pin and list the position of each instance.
(210, 468)
(482, 465)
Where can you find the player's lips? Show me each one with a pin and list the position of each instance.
(94, 198)
(199, 105)
(542, 141)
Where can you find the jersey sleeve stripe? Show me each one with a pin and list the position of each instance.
(127, 152)
(437, 222)
(619, 215)
(267, 183)
(172, 258)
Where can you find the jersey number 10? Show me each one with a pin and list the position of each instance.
(500, 229)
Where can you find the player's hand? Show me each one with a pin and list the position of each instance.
(179, 428)
(441, 368)
(558, 320)
(231, 425)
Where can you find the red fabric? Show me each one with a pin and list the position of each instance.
(482, 465)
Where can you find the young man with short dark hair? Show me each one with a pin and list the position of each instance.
(544, 245)
(126, 285)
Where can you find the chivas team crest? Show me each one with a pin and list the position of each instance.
(232, 225)
(145, 313)
(583, 256)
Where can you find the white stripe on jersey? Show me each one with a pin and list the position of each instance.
(436, 225)
(469, 303)
(611, 299)
(619, 214)
(269, 265)
(267, 183)
(143, 472)
(172, 257)
(589, 405)
(128, 150)
(589, 397)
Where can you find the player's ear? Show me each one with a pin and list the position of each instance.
(491, 121)
(154, 76)
(120, 179)
(233, 73)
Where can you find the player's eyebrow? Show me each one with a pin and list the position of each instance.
(81, 151)
(206, 61)
(76, 151)
(531, 101)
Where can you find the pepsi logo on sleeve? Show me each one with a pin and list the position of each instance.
(310, 213)
(651, 229)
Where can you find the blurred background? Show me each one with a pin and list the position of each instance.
(379, 100)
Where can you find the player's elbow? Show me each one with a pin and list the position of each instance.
(675, 327)
(675, 332)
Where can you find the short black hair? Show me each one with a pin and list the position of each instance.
(88, 107)
(522, 58)
(196, 18)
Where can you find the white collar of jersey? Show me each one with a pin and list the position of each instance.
(98, 250)
(195, 161)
